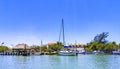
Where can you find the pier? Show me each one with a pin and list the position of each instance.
(20, 49)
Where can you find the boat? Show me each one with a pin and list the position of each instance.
(66, 51)
(116, 52)
(98, 52)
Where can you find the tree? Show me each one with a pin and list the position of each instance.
(101, 38)
(109, 47)
(55, 47)
(101, 44)
(92, 46)
(37, 48)
(40, 48)
(44, 48)
(4, 48)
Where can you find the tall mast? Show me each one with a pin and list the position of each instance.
(40, 46)
(63, 32)
(41, 42)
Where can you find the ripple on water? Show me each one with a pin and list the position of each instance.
(61, 62)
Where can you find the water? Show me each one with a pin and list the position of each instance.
(60, 62)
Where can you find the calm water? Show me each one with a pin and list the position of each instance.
(61, 62)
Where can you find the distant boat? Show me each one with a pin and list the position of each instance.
(95, 52)
(116, 52)
(65, 51)
(98, 52)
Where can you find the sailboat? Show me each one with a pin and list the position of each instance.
(65, 51)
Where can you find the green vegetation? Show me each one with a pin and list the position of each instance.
(101, 38)
(4, 48)
(55, 47)
(51, 48)
(101, 44)
(40, 48)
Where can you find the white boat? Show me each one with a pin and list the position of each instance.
(116, 52)
(98, 52)
(65, 52)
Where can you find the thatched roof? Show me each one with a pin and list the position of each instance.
(21, 46)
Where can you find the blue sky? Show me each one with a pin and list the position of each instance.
(30, 21)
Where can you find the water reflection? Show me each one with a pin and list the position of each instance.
(100, 61)
(22, 59)
(103, 62)
(60, 62)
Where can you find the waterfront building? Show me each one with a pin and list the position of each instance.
(22, 49)
(79, 47)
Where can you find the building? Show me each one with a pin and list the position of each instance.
(22, 49)
(79, 47)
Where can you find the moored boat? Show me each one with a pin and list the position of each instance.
(116, 52)
(65, 51)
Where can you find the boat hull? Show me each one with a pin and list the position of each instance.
(64, 53)
(116, 52)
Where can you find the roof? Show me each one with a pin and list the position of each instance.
(21, 46)
(68, 47)
(52, 43)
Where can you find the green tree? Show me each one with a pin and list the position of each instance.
(37, 48)
(40, 48)
(44, 48)
(55, 47)
(109, 47)
(4, 49)
(101, 38)
(101, 44)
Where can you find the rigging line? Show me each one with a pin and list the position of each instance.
(63, 32)
(60, 33)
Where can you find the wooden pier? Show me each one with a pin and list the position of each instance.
(20, 49)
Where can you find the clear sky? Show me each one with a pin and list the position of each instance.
(30, 21)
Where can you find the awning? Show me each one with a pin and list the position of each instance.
(68, 47)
